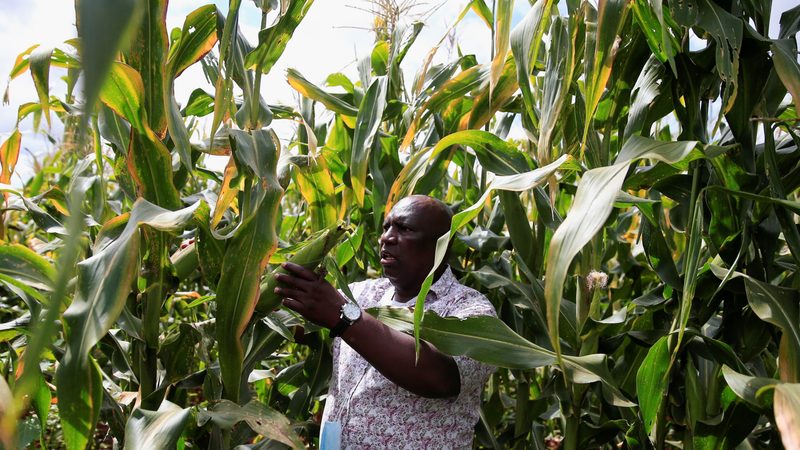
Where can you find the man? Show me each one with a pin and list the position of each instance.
(379, 397)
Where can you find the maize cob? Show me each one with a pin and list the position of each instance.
(309, 256)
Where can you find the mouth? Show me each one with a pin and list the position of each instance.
(387, 258)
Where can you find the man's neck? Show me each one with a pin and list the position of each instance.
(403, 295)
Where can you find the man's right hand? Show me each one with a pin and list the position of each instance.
(310, 295)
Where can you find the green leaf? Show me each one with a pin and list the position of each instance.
(652, 380)
(602, 44)
(749, 389)
(26, 266)
(114, 129)
(727, 31)
(504, 9)
(495, 154)
(150, 165)
(654, 22)
(80, 397)
(148, 56)
(261, 418)
(104, 282)
(123, 92)
(309, 90)
(691, 271)
(247, 252)
(526, 38)
(315, 183)
(518, 183)
(147, 430)
(787, 414)
(647, 88)
(379, 58)
(104, 27)
(198, 36)
(367, 122)
(784, 56)
(272, 41)
(489, 340)
(557, 80)
(593, 202)
(40, 72)
(779, 306)
(9, 155)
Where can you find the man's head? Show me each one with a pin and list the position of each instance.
(408, 242)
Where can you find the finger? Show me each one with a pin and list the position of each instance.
(300, 271)
(291, 281)
(292, 304)
(289, 292)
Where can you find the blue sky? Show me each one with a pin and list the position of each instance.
(330, 39)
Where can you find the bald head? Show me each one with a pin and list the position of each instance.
(435, 214)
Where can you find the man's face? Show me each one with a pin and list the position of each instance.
(408, 243)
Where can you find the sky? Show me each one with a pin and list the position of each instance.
(334, 34)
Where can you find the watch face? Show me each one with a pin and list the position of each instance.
(351, 311)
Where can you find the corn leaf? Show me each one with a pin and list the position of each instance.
(526, 38)
(784, 56)
(593, 202)
(489, 340)
(150, 166)
(124, 94)
(495, 154)
(261, 418)
(504, 9)
(147, 430)
(272, 40)
(645, 91)
(198, 36)
(727, 31)
(749, 389)
(104, 281)
(602, 43)
(557, 79)
(517, 183)
(488, 102)
(148, 159)
(26, 266)
(9, 155)
(40, 72)
(316, 186)
(309, 90)
(779, 306)
(148, 56)
(247, 253)
(650, 15)
(103, 28)
(368, 120)
(652, 380)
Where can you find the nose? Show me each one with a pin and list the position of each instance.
(388, 236)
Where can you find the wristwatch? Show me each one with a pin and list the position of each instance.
(350, 313)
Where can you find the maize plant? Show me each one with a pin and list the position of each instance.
(637, 232)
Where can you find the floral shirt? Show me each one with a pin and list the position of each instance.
(375, 413)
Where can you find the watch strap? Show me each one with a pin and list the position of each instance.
(339, 328)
